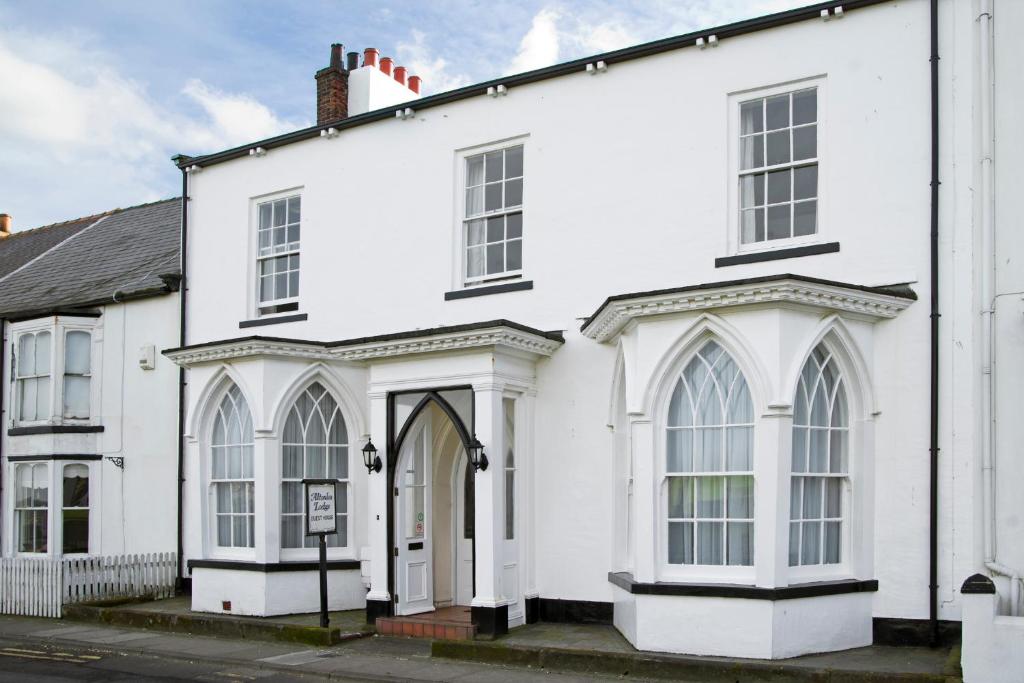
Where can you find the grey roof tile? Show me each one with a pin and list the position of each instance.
(124, 252)
(22, 247)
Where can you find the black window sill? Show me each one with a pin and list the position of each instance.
(60, 456)
(276, 320)
(239, 565)
(488, 289)
(625, 581)
(778, 254)
(54, 429)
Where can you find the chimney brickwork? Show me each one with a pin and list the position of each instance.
(332, 89)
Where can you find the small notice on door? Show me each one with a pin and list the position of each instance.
(321, 508)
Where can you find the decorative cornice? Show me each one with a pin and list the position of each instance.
(868, 302)
(501, 334)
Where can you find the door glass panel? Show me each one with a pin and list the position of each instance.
(415, 489)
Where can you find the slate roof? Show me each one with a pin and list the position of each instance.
(124, 252)
(22, 247)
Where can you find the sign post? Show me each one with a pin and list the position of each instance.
(321, 520)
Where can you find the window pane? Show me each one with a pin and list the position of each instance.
(818, 450)
(494, 166)
(680, 542)
(752, 152)
(741, 543)
(514, 192)
(805, 142)
(337, 463)
(316, 462)
(265, 212)
(805, 218)
(709, 497)
(680, 450)
(26, 355)
(805, 106)
(811, 551)
(224, 531)
(514, 161)
(492, 197)
(291, 463)
(832, 542)
(28, 397)
(496, 229)
(778, 148)
(740, 494)
(799, 463)
(514, 255)
(777, 112)
(778, 186)
(475, 262)
(752, 190)
(42, 362)
(778, 222)
(739, 449)
(291, 497)
(751, 117)
(76, 531)
(40, 485)
(708, 449)
(752, 229)
(475, 170)
(794, 544)
(812, 498)
(837, 451)
(833, 497)
(709, 542)
(474, 200)
(495, 258)
(76, 353)
(294, 208)
(76, 486)
(291, 531)
(680, 497)
(280, 212)
(796, 505)
(514, 225)
(510, 518)
(76, 397)
(805, 182)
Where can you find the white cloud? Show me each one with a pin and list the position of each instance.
(540, 46)
(83, 138)
(420, 60)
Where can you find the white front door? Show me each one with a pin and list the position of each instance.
(415, 570)
(464, 485)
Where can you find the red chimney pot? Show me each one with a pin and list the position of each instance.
(414, 84)
(400, 74)
(385, 65)
(370, 56)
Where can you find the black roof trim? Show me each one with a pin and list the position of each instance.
(902, 290)
(396, 336)
(623, 55)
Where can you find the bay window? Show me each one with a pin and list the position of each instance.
(77, 365)
(32, 507)
(75, 509)
(709, 464)
(33, 377)
(53, 368)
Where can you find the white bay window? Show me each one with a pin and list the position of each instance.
(53, 368)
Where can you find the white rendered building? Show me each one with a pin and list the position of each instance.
(682, 296)
(89, 405)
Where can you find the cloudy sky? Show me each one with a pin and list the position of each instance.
(97, 95)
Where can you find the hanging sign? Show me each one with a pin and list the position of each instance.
(321, 506)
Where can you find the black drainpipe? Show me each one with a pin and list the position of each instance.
(182, 295)
(3, 415)
(933, 531)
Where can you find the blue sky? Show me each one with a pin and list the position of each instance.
(95, 97)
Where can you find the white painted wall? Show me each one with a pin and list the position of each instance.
(369, 88)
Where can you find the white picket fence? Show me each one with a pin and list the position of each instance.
(39, 587)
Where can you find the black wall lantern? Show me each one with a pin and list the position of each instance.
(477, 457)
(370, 457)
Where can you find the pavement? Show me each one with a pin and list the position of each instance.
(36, 649)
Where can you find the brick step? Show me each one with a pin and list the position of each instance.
(424, 628)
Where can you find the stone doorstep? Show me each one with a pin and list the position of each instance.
(437, 630)
(210, 625)
(666, 667)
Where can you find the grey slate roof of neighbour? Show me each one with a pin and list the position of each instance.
(22, 247)
(124, 252)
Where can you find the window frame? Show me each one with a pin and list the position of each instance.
(733, 243)
(55, 506)
(63, 465)
(217, 550)
(349, 550)
(58, 327)
(291, 304)
(460, 241)
(696, 573)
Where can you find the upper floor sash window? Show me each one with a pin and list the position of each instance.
(33, 377)
(277, 256)
(778, 170)
(493, 221)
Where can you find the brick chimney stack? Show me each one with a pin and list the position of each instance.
(5, 225)
(332, 89)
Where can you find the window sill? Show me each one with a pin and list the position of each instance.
(777, 254)
(58, 457)
(625, 581)
(240, 565)
(485, 290)
(54, 429)
(276, 320)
